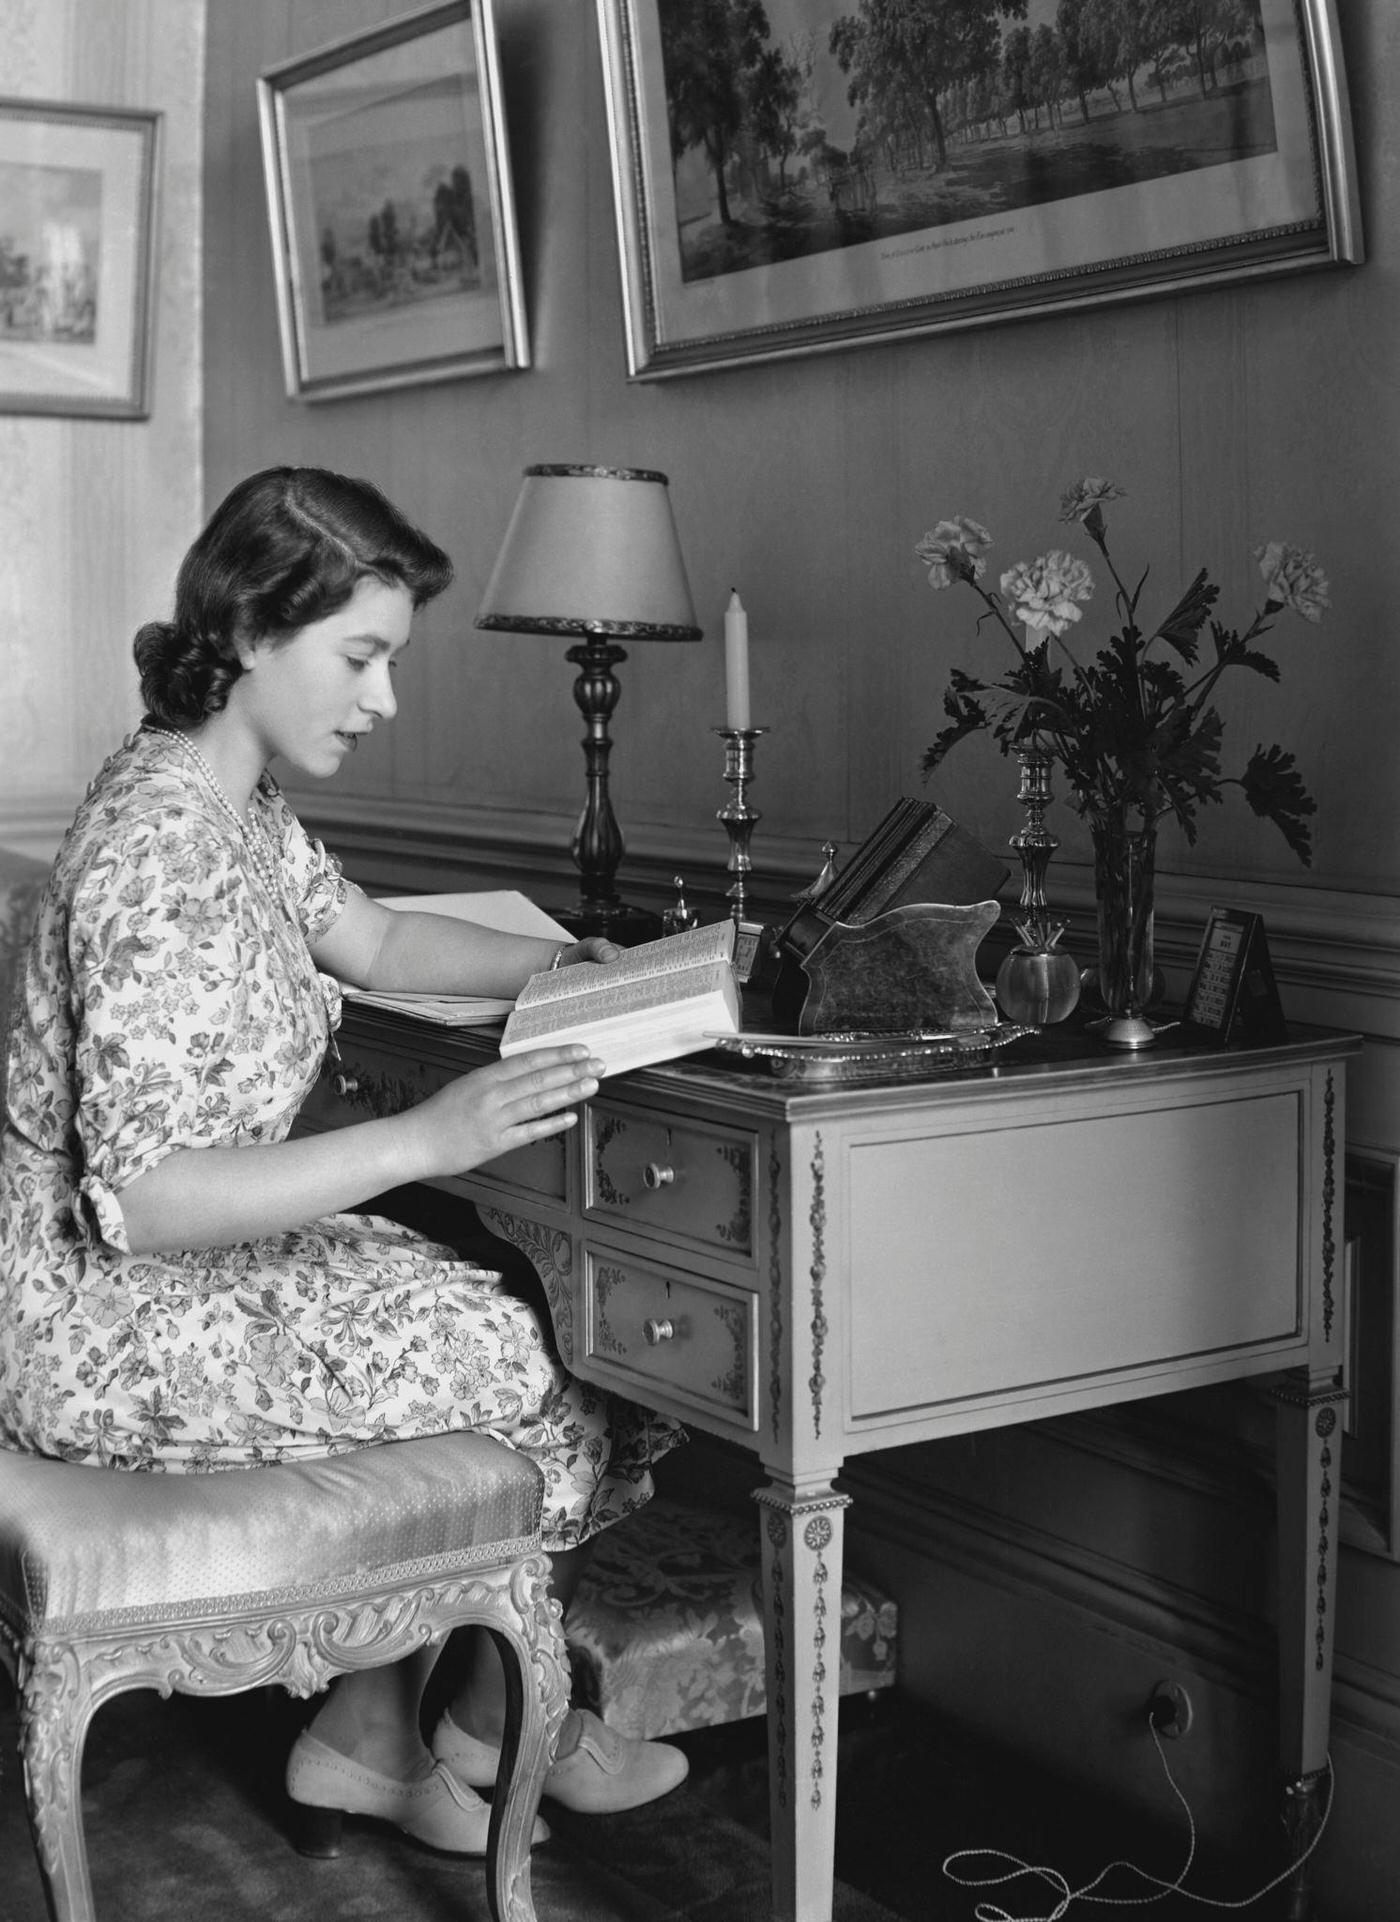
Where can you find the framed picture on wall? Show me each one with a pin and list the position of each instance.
(389, 199)
(77, 258)
(792, 176)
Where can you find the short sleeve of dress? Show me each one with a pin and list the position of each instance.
(161, 968)
(316, 884)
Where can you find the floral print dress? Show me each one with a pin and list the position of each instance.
(170, 1001)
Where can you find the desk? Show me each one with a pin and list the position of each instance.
(817, 1271)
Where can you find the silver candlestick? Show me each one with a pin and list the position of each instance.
(738, 817)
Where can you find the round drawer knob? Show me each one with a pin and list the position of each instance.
(655, 1176)
(658, 1331)
(345, 1085)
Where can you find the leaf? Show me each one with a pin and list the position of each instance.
(1183, 625)
(964, 711)
(1274, 789)
(1233, 652)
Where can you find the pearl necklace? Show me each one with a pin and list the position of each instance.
(255, 841)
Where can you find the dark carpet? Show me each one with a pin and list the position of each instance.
(186, 1822)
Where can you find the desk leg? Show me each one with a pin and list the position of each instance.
(1309, 1463)
(801, 1533)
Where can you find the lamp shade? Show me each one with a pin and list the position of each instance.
(591, 550)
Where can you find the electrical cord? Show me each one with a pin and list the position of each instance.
(990, 1912)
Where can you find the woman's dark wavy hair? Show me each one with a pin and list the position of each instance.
(287, 547)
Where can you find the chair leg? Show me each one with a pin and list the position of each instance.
(55, 1707)
(533, 1656)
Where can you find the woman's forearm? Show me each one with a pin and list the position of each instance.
(440, 954)
(215, 1197)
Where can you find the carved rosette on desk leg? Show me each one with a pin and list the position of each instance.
(801, 1539)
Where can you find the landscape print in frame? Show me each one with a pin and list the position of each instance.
(795, 175)
(77, 212)
(390, 205)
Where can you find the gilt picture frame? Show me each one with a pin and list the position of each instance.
(78, 206)
(390, 207)
(787, 180)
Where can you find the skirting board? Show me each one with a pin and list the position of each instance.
(1228, 1649)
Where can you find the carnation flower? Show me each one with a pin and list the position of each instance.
(1044, 593)
(953, 552)
(1131, 724)
(1293, 579)
(1085, 496)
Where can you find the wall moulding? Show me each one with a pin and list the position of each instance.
(1227, 1648)
(1336, 953)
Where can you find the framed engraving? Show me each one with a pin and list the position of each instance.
(792, 176)
(390, 204)
(77, 259)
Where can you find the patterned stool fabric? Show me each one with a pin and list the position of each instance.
(665, 1631)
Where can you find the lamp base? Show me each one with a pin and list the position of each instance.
(615, 920)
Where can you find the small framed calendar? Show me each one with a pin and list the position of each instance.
(1233, 996)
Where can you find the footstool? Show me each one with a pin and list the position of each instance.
(665, 1630)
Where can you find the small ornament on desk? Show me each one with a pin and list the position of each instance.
(1038, 982)
(676, 919)
(816, 889)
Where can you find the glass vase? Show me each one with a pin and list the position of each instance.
(1125, 859)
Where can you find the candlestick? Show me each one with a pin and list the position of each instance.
(736, 663)
(738, 817)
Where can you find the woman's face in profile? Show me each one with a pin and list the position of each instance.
(310, 698)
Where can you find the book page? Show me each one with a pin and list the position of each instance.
(609, 998)
(662, 958)
(503, 908)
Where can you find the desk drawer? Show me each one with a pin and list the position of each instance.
(369, 1084)
(673, 1341)
(685, 1180)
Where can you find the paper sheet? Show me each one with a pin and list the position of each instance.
(505, 909)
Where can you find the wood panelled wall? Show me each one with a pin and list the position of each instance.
(1231, 417)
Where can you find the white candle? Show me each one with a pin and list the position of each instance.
(736, 663)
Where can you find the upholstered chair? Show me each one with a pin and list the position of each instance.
(290, 1575)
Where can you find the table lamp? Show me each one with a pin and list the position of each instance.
(592, 552)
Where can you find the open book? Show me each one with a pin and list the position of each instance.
(660, 1000)
(505, 909)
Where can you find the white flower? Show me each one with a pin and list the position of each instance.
(1044, 593)
(1293, 579)
(953, 552)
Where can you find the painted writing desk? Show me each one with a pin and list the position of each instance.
(816, 1271)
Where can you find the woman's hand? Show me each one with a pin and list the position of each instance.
(521, 1099)
(596, 947)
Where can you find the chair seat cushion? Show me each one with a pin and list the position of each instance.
(78, 1541)
(665, 1631)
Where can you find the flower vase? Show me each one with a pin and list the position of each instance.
(1124, 877)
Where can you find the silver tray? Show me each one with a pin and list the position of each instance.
(868, 1057)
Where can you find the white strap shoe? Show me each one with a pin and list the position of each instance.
(437, 1810)
(603, 1772)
